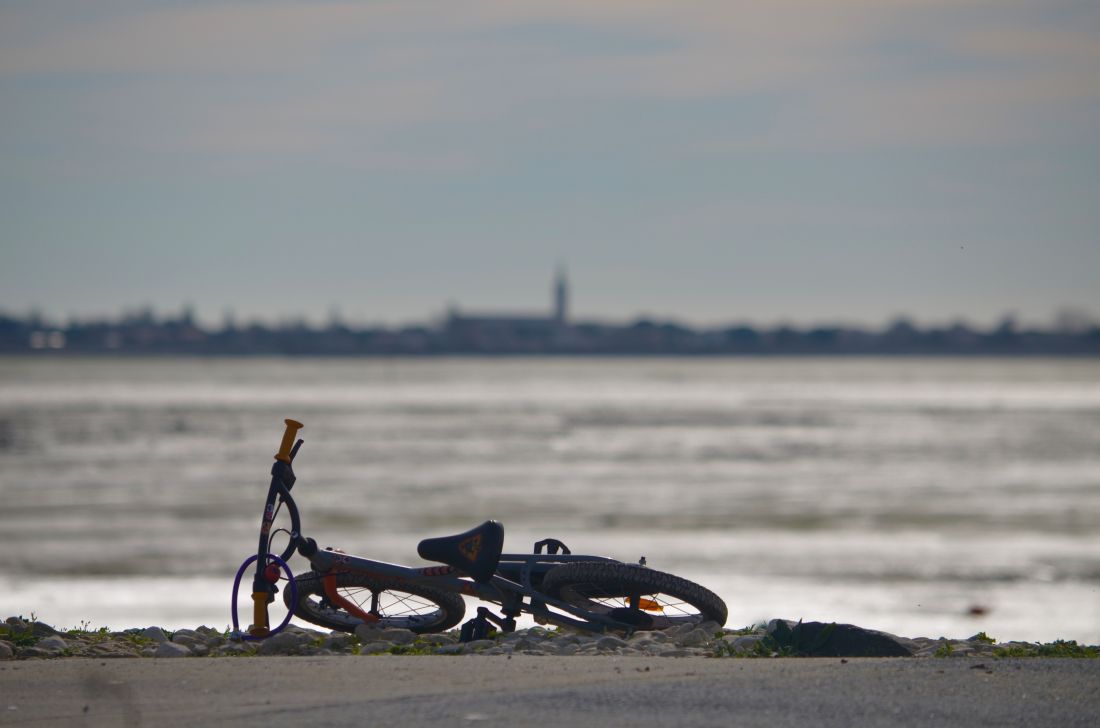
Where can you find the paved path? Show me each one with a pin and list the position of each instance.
(548, 692)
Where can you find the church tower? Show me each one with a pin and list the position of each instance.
(561, 297)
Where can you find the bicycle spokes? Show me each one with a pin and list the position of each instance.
(615, 601)
(385, 603)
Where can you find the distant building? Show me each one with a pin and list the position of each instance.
(512, 332)
(561, 297)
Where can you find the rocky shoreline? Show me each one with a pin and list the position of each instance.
(23, 640)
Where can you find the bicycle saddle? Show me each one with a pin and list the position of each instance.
(476, 552)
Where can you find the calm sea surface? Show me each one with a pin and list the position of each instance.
(898, 494)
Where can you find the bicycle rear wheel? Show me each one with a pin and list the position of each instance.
(633, 594)
(401, 604)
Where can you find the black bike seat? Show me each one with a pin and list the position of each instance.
(476, 552)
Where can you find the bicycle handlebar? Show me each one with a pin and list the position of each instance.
(289, 435)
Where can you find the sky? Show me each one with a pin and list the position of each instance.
(803, 161)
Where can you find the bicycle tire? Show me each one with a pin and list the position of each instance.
(660, 600)
(415, 607)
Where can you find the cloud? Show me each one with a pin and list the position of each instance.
(423, 82)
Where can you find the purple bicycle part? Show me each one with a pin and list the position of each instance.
(237, 585)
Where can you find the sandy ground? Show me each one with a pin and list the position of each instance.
(530, 690)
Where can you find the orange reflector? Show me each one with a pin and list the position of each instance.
(649, 605)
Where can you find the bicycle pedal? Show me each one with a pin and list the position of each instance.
(474, 629)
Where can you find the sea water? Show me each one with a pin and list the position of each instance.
(925, 497)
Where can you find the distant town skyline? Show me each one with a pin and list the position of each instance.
(556, 308)
(710, 161)
(550, 332)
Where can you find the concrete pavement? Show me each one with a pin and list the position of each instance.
(535, 691)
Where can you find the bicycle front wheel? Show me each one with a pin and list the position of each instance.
(401, 604)
(633, 594)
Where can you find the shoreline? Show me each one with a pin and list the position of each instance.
(29, 640)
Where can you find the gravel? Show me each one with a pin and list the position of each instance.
(32, 640)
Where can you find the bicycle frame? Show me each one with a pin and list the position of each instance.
(498, 590)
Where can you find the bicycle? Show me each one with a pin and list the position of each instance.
(552, 584)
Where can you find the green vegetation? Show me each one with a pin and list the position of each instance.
(1068, 648)
(136, 638)
(1058, 648)
(1014, 651)
(983, 637)
(416, 648)
(759, 649)
(82, 632)
(751, 629)
(20, 636)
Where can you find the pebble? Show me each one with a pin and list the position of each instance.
(742, 643)
(41, 629)
(52, 642)
(610, 643)
(696, 638)
(337, 641)
(7, 651)
(284, 643)
(154, 633)
(679, 629)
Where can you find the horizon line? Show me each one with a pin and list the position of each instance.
(1063, 318)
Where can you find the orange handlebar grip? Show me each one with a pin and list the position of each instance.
(259, 615)
(289, 435)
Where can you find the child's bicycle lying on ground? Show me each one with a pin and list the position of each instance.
(559, 587)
